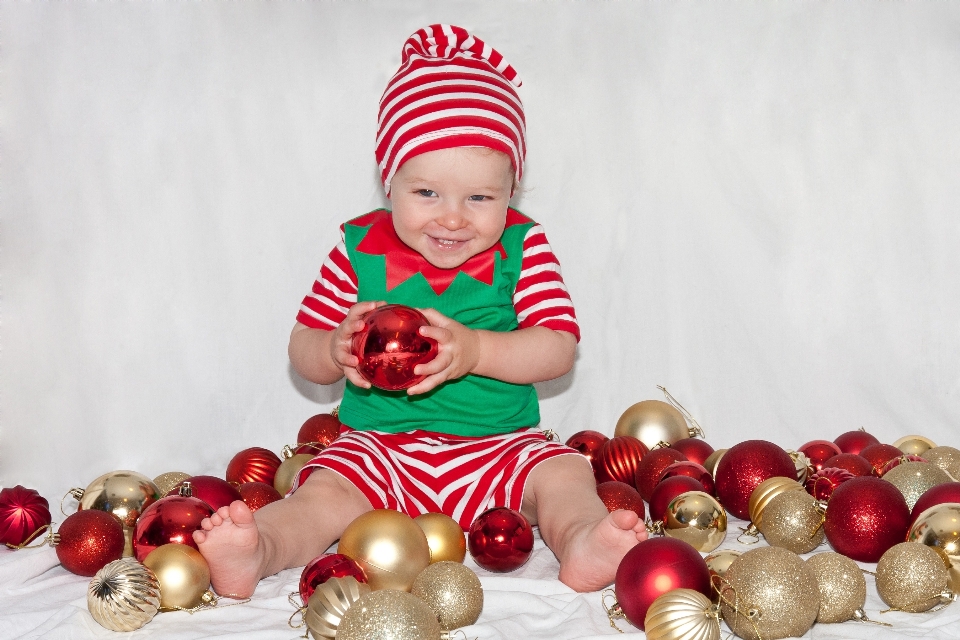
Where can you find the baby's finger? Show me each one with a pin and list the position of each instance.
(438, 364)
(427, 384)
(354, 376)
(436, 318)
(437, 333)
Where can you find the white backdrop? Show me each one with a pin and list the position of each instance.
(754, 204)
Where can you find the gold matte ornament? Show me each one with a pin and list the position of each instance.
(389, 546)
(167, 481)
(842, 587)
(329, 603)
(682, 614)
(914, 445)
(696, 518)
(767, 491)
(793, 520)
(389, 615)
(288, 470)
(912, 577)
(124, 595)
(652, 422)
(914, 478)
(452, 591)
(445, 538)
(183, 574)
(125, 494)
(947, 458)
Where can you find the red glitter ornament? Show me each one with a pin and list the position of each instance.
(855, 441)
(694, 449)
(619, 495)
(324, 567)
(255, 464)
(743, 467)
(170, 519)
(651, 467)
(589, 444)
(852, 462)
(878, 455)
(317, 433)
(390, 346)
(818, 452)
(896, 462)
(666, 491)
(258, 494)
(619, 457)
(940, 494)
(88, 540)
(822, 483)
(865, 517)
(500, 539)
(216, 492)
(23, 513)
(654, 567)
(691, 470)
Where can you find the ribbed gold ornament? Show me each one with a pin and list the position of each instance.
(682, 614)
(328, 604)
(914, 478)
(445, 538)
(696, 518)
(452, 591)
(167, 481)
(124, 595)
(389, 615)
(767, 491)
(947, 458)
(842, 587)
(914, 445)
(793, 520)
(911, 577)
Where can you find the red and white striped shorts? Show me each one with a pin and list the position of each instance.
(419, 472)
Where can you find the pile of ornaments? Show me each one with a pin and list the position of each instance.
(895, 505)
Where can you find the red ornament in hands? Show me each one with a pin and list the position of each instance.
(855, 441)
(500, 539)
(589, 444)
(170, 519)
(818, 452)
(824, 482)
(878, 455)
(216, 492)
(618, 460)
(691, 470)
(255, 464)
(852, 462)
(258, 494)
(390, 346)
(23, 512)
(651, 467)
(940, 494)
(317, 433)
(865, 517)
(743, 467)
(694, 449)
(619, 495)
(88, 540)
(666, 491)
(324, 567)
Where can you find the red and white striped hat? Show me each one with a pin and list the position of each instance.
(452, 90)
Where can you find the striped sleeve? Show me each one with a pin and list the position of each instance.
(541, 298)
(333, 292)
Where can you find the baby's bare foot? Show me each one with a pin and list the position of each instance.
(230, 543)
(592, 557)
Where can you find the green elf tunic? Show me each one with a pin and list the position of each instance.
(478, 294)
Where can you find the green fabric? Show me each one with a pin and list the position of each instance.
(472, 405)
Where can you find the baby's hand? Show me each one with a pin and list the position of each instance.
(342, 339)
(459, 352)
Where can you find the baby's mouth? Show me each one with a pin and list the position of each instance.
(444, 243)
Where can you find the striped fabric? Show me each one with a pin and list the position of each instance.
(452, 90)
(424, 472)
(541, 298)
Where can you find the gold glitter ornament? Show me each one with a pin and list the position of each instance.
(124, 595)
(696, 518)
(167, 481)
(125, 494)
(769, 593)
(793, 520)
(183, 574)
(682, 614)
(389, 615)
(912, 577)
(445, 538)
(389, 546)
(912, 479)
(842, 587)
(328, 604)
(710, 464)
(914, 445)
(452, 591)
(288, 470)
(947, 458)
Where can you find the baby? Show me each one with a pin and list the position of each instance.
(450, 147)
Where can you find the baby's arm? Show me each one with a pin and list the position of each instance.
(323, 356)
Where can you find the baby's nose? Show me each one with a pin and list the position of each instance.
(452, 218)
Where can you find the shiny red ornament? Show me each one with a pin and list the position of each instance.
(88, 540)
(619, 495)
(691, 470)
(896, 462)
(317, 433)
(666, 491)
(654, 567)
(23, 512)
(743, 467)
(170, 519)
(619, 457)
(940, 494)
(865, 517)
(589, 444)
(255, 464)
(651, 467)
(822, 484)
(854, 441)
(878, 455)
(258, 494)
(694, 449)
(852, 462)
(324, 567)
(390, 346)
(215, 491)
(500, 539)
(818, 452)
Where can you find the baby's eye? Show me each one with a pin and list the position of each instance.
(426, 193)
(478, 198)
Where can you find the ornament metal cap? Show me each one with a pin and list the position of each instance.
(186, 490)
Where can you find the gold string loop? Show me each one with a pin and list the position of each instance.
(301, 610)
(209, 600)
(77, 494)
(751, 534)
(614, 611)
(861, 616)
(47, 539)
(696, 429)
(753, 614)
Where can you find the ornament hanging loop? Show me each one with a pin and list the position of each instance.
(654, 528)
(861, 616)
(77, 494)
(47, 539)
(298, 610)
(750, 535)
(550, 435)
(614, 611)
(695, 429)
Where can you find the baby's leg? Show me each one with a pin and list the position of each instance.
(242, 547)
(561, 497)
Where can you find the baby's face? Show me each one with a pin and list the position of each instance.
(451, 204)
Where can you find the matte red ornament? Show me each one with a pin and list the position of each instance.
(694, 449)
(691, 470)
(743, 467)
(500, 539)
(852, 462)
(88, 540)
(855, 441)
(169, 519)
(822, 484)
(324, 567)
(589, 444)
(818, 452)
(390, 346)
(865, 517)
(940, 494)
(255, 464)
(258, 494)
(666, 491)
(23, 513)
(896, 462)
(650, 469)
(878, 455)
(317, 433)
(619, 457)
(654, 567)
(215, 491)
(619, 495)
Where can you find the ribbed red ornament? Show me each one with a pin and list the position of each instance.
(324, 567)
(940, 494)
(215, 491)
(651, 467)
(743, 467)
(852, 462)
(691, 470)
(822, 483)
(88, 540)
(818, 451)
(896, 462)
(170, 519)
(694, 449)
(317, 433)
(589, 444)
(23, 512)
(865, 517)
(666, 491)
(255, 464)
(258, 494)
(619, 495)
(878, 455)
(855, 441)
(619, 457)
